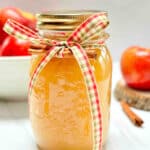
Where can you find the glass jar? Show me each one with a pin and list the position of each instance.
(59, 109)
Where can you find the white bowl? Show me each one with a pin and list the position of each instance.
(14, 77)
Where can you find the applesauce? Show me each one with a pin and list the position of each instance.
(59, 107)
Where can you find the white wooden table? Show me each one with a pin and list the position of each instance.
(16, 133)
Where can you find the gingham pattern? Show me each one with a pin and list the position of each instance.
(92, 26)
(82, 59)
(52, 52)
(20, 31)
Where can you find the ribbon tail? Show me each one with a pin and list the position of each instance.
(52, 52)
(92, 91)
(20, 31)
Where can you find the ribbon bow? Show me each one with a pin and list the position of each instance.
(93, 26)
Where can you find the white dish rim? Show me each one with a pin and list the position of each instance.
(16, 58)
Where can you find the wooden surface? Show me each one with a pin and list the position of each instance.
(135, 98)
(16, 133)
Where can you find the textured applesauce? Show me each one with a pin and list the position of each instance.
(59, 106)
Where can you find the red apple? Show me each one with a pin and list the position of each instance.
(14, 47)
(15, 14)
(30, 20)
(135, 67)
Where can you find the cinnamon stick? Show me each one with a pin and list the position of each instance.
(132, 116)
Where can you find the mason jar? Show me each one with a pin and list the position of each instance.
(59, 107)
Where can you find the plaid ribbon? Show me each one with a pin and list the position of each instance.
(94, 25)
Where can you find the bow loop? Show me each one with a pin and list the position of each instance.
(93, 25)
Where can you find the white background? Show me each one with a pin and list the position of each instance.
(130, 19)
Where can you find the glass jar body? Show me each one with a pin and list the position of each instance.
(59, 107)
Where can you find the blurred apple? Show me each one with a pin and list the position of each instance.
(24, 18)
(30, 19)
(135, 67)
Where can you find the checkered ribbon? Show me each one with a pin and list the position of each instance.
(93, 26)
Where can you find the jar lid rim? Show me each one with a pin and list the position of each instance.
(63, 19)
(63, 13)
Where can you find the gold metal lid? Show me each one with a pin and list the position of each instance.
(62, 20)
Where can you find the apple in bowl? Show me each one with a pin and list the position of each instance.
(14, 56)
(9, 46)
(18, 15)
